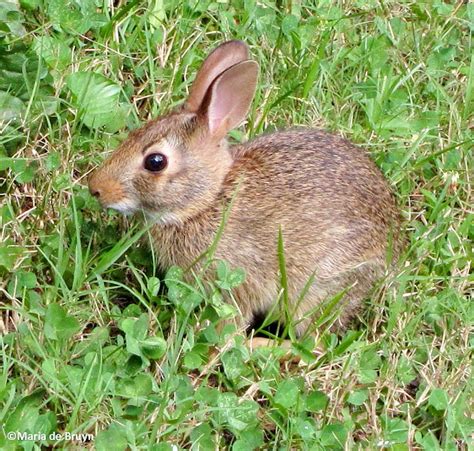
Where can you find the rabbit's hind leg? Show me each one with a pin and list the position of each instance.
(349, 289)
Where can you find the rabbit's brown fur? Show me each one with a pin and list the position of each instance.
(335, 209)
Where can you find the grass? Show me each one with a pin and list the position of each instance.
(90, 341)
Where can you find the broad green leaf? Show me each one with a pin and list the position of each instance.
(97, 99)
(114, 437)
(30, 4)
(207, 395)
(10, 107)
(316, 401)
(238, 416)
(369, 362)
(135, 327)
(135, 387)
(54, 51)
(11, 16)
(66, 16)
(202, 437)
(233, 363)
(287, 394)
(395, 430)
(58, 324)
(334, 436)
(289, 24)
(53, 161)
(27, 175)
(25, 414)
(405, 371)
(154, 347)
(438, 399)
(249, 439)
(92, 16)
(357, 397)
(46, 423)
(17, 64)
(133, 345)
(304, 427)
(153, 285)
(428, 441)
(157, 13)
(25, 279)
(192, 360)
(163, 447)
(227, 278)
(9, 254)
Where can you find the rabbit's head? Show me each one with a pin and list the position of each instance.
(174, 166)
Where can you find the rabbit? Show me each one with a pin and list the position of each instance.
(337, 215)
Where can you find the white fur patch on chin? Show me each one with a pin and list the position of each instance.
(164, 218)
(125, 206)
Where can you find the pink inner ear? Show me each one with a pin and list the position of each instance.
(223, 57)
(231, 95)
(221, 109)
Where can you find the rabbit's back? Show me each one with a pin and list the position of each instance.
(316, 186)
(312, 168)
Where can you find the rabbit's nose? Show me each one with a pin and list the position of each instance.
(93, 188)
(105, 188)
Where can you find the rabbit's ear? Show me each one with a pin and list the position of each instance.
(220, 59)
(230, 96)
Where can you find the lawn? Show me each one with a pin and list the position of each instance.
(94, 340)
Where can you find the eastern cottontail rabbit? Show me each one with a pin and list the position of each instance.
(331, 202)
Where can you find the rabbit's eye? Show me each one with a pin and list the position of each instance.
(155, 162)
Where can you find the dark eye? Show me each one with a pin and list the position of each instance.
(156, 162)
